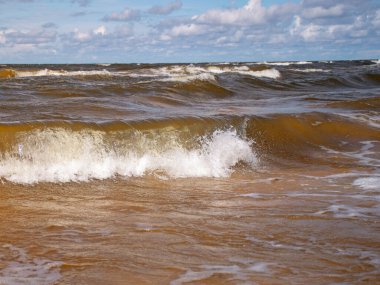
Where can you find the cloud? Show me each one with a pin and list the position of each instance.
(188, 30)
(124, 16)
(82, 36)
(241, 31)
(81, 3)
(320, 12)
(25, 1)
(78, 14)
(13, 37)
(49, 25)
(252, 13)
(165, 10)
(101, 30)
(376, 19)
(3, 38)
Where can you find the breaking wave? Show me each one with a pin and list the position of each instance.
(288, 63)
(48, 72)
(173, 148)
(62, 155)
(179, 73)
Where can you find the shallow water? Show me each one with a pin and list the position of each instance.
(243, 173)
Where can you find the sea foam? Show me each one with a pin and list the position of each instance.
(183, 73)
(60, 155)
(368, 183)
(49, 72)
(26, 270)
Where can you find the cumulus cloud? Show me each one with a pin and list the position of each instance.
(165, 10)
(376, 19)
(124, 16)
(187, 30)
(101, 30)
(252, 13)
(279, 30)
(83, 36)
(320, 12)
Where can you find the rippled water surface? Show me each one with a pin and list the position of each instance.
(234, 173)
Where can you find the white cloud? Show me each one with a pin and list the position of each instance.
(126, 15)
(81, 36)
(320, 12)
(101, 30)
(294, 28)
(187, 30)
(164, 10)
(252, 13)
(3, 39)
(376, 19)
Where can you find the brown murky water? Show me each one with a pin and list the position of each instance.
(200, 174)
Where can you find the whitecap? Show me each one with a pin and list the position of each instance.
(49, 72)
(59, 155)
(309, 70)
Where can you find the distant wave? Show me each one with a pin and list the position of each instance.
(311, 70)
(179, 73)
(192, 72)
(288, 63)
(49, 72)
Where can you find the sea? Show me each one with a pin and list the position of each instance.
(204, 173)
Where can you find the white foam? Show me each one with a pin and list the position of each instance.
(366, 155)
(285, 63)
(181, 73)
(188, 78)
(278, 63)
(309, 70)
(25, 270)
(268, 73)
(49, 72)
(59, 155)
(303, 62)
(368, 183)
(191, 276)
(239, 272)
(347, 211)
(376, 61)
(192, 72)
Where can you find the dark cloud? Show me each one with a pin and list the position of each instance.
(78, 14)
(49, 25)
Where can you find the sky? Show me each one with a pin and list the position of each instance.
(142, 31)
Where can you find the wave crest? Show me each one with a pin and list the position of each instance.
(60, 155)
